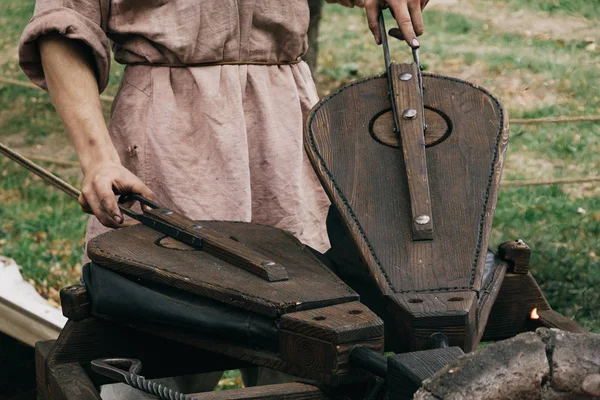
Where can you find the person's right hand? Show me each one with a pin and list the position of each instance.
(101, 183)
(407, 13)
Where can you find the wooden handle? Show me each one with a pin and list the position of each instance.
(189, 232)
(176, 226)
(407, 103)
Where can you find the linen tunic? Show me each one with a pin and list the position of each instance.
(210, 110)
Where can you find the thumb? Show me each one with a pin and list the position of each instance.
(129, 183)
(137, 186)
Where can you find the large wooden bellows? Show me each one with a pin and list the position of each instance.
(304, 325)
(417, 286)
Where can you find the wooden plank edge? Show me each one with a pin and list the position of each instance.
(24, 325)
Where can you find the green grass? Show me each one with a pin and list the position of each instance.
(42, 229)
(585, 8)
(565, 243)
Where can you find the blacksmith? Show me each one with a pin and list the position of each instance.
(209, 115)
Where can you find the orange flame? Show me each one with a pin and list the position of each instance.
(534, 314)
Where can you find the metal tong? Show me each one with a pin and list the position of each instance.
(174, 225)
(127, 370)
(408, 108)
(416, 60)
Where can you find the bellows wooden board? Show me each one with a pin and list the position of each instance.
(316, 316)
(144, 253)
(423, 286)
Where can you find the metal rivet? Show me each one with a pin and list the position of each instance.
(196, 226)
(405, 76)
(166, 212)
(422, 219)
(411, 113)
(267, 263)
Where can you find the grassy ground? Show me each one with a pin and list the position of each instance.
(540, 58)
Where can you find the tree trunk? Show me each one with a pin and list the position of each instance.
(313, 34)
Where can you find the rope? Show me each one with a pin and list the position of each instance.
(513, 183)
(554, 120)
(558, 181)
(516, 121)
(30, 85)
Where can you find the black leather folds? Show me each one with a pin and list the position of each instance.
(116, 296)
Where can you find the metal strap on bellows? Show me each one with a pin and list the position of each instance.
(406, 97)
(127, 370)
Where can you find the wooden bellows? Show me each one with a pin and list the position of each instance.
(418, 287)
(318, 317)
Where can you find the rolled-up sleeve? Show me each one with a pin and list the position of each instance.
(80, 21)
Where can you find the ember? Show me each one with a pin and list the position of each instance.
(534, 314)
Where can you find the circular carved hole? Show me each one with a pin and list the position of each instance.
(455, 299)
(439, 128)
(355, 312)
(415, 301)
(319, 318)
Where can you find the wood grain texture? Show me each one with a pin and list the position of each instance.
(75, 302)
(321, 356)
(509, 316)
(460, 315)
(517, 254)
(553, 319)
(341, 323)
(42, 349)
(134, 251)
(406, 95)
(214, 242)
(382, 128)
(285, 391)
(69, 381)
(418, 315)
(366, 181)
(298, 358)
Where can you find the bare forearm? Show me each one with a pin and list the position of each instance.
(74, 91)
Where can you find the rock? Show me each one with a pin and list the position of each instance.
(572, 356)
(494, 372)
(591, 385)
(548, 365)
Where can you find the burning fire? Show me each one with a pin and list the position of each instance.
(534, 314)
